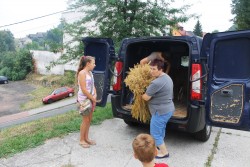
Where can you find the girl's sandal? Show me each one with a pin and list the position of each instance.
(84, 145)
(91, 142)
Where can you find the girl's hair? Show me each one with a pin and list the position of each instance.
(83, 62)
(159, 63)
(144, 147)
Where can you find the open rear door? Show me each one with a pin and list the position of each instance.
(103, 51)
(228, 83)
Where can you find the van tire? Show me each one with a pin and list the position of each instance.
(130, 123)
(204, 134)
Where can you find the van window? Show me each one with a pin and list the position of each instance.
(184, 61)
(231, 59)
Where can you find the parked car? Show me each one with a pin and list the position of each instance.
(211, 78)
(58, 94)
(4, 80)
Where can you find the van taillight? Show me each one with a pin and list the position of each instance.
(196, 84)
(117, 76)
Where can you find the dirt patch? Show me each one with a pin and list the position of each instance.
(12, 95)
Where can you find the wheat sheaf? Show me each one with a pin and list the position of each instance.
(138, 79)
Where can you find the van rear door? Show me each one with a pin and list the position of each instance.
(228, 83)
(103, 51)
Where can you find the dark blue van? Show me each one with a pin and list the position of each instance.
(211, 78)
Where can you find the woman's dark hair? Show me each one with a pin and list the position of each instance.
(159, 63)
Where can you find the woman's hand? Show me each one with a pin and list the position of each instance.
(146, 97)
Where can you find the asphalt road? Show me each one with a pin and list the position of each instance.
(12, 95)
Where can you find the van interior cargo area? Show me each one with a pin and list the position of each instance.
(179, 59)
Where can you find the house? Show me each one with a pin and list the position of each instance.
(21, 42)
(179, 31)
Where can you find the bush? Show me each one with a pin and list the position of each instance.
(16, 65)
(68, 79)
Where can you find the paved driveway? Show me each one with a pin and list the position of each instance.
(12, 95)
(225, 148)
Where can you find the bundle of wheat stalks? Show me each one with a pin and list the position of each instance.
(138, 79)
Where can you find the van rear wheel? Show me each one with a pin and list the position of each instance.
(204, 134)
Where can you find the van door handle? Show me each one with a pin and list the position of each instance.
(226, 92)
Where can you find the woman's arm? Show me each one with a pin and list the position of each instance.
(144, 61)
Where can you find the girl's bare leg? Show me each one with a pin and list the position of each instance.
(91, 142)
(84, 131)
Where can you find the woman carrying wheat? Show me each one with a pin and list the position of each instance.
(159, 96)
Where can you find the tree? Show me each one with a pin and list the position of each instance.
(16, 65)
(51, 40)
(54, 39)
(233, 28)
(198, 29)
(119, 19)
(33, 46)
(7, 41)
(241, 10)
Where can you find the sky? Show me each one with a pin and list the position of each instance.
(13, 11)
(214, 15)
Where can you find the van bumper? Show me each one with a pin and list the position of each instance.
(193, 123)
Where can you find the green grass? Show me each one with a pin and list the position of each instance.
(29, 135)
(36, 97)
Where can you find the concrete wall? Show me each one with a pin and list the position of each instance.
(43, 60)
(72, 65)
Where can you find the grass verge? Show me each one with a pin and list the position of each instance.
(36, 97)
(213, 151)
(29, 135)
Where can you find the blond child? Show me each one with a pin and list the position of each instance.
(145, 150)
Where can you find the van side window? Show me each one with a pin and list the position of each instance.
(231, 59)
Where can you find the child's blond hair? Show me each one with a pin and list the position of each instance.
(144, 147)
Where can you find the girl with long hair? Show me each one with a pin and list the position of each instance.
(86, 90)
